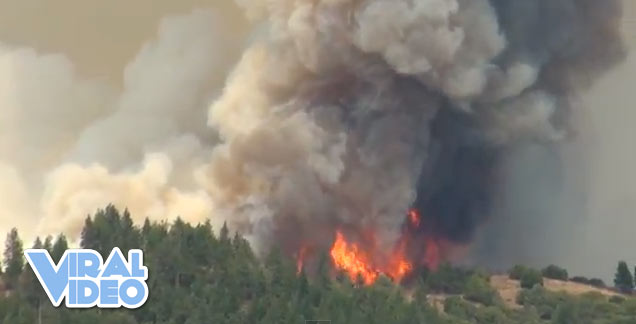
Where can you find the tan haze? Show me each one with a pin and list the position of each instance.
(105, 101)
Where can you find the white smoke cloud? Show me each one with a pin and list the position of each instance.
(74, 191)
(71, 145)
(15, 196)
(166, 89)
(44, 105)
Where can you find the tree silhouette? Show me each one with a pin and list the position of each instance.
(13, 259)
(623, 280)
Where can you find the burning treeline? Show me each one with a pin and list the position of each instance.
(414, 249)
(347, 115)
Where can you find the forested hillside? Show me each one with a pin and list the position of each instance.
(197, 277)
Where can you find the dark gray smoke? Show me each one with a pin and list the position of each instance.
(569, 43)
(345, 114)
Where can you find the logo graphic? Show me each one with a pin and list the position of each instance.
(84, 280)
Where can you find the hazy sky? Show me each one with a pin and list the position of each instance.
(101, 36)
(612, 199)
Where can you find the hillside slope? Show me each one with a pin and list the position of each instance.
(509, 289)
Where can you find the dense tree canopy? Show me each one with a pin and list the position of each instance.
(197, 277)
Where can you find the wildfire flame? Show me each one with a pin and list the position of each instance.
(357, 262)
(365, 262)
(399, 265)
(353, 260)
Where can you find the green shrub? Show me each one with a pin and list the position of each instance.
(597, 283)
(491, 315)
(530, 278)
(581, 280)
(448, 279)
(527, 276)
(630, 306)
(456, 306)
(543, 301)
(479, 290)
(517, 272)
(617, 299)
(554, 272)
(566, 313)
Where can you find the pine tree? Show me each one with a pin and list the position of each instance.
(112, 215)
(107, 230)
(130, 235)
(48, 244)
(37, 244)
(623, 279)
(203, 244)
(146, 228)
(224, 236)
(31, 287)
(13, 259)
(225, 244)
(59, 247)
(89, 235)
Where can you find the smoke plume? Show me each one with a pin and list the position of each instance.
(339, 115)
(348, 113)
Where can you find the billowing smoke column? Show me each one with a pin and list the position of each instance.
(340, 117)
(348, 113)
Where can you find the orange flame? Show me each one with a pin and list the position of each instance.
(432, 250)
(353, 260)
(399, 265)
(364, 261)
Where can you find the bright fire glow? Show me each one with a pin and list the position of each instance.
(399, 265)
(357, 262)
(353, 260)
(366, 262)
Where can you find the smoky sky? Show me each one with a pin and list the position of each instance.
(313, 115)
(566, 203)
(468, 174)
(425, 101)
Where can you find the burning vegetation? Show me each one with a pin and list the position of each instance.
(346, 114)
(364, 261)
